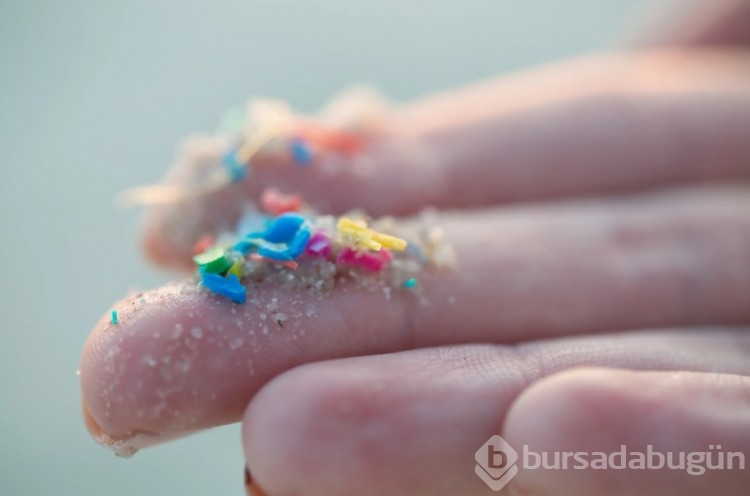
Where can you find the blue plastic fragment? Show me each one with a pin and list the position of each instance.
(284, 239)
(229, 287)
(247, 245)
(301, 152)
(273, 253)
(292, 250)
(283, 228)
(237, 171)
(297, 245)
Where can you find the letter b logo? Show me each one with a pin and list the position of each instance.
(496, 463)
(496, 459)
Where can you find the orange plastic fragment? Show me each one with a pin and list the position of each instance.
(275, 202)
(290, 264)
(203, 244)
(329, 139)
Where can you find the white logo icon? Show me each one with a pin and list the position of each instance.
(496, 463)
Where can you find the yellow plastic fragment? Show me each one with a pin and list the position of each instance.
(236, 268)
(389, 241)
(367, 237)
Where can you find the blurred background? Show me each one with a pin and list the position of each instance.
(93, 97)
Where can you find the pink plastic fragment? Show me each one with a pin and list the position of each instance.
(319, 245)
(374, 262)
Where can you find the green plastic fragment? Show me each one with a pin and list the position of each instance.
(213, 260)
(410, 283)
(115, 320)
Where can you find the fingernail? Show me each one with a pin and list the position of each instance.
(251, 488)
(123, 448)
(91, 424)
(127, 446)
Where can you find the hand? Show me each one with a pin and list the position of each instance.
(640, 268)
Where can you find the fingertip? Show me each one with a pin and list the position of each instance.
(251, 487)
(577, 410)
(617, 419)
(108, 398)
(284, 423)
(140, 385)
(388, 424)
(557, 405)
(328, 429)
(90, 422)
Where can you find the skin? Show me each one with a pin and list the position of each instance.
(600, 211)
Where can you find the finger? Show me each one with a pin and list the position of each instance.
(703, 417)
(698, 22)
(603, 124)
(184, 359)
(410, 423)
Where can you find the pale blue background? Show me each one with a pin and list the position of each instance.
(93, 96)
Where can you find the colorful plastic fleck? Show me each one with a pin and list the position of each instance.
(229, 287)
(374, 262)
(237, 171)
(237, 268)
(369, 238)
(301, 152)
(246, 245)
(275, 202)
(292, 250)
(297, 245)
(212, 260)
(329, 139)
(410, 283)
(289, 264)
(391, 242)
(273, 253)
(282, 229)
(357, 230)
(319, 245)
(284, 239)
(115, 319)
(203, 244)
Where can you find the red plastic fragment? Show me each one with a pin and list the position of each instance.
(275, 202)
(204, 243)
(372, 261)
